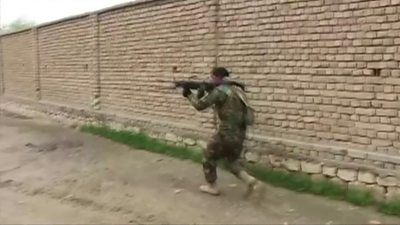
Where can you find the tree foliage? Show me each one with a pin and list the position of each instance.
(17, 25)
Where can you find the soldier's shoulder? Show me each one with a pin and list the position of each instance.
(224, 88)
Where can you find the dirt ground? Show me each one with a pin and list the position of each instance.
(50, 174)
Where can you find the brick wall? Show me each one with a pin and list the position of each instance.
(1, 69)
(65, 61)
(17, 53)
(319, 70)
(140, 46)
(323, 74)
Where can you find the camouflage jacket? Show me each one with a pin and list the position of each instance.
(227, 105)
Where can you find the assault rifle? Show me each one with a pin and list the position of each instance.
(200, 86)
(204, 85)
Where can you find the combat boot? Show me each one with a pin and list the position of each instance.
(209, 189)
(250, 181)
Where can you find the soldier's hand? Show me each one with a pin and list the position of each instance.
(200, 93)
(186, 92)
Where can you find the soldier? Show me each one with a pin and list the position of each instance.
(227, 142)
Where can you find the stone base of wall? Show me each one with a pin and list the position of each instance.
(382, 183)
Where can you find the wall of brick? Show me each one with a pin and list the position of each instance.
(139, 48)
(323, 74)
(320, 71)
(1, 69)
(65, 59)
(17, 61)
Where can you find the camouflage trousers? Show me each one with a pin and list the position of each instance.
(222, 146)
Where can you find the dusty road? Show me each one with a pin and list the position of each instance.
(50, 174)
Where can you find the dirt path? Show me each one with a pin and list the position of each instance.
(50, 174)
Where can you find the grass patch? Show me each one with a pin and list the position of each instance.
(142, 141)
(299, 182)
(361, 198)
(390, 208)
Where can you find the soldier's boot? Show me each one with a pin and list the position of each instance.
(209, 189)
(251, 182)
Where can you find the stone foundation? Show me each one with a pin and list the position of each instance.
(382, 183)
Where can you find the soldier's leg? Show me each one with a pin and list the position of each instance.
(237, 169)
(209, 167)
(209, 162)
(235, 164)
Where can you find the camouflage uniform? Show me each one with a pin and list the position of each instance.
(227, 142)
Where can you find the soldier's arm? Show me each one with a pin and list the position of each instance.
(216, 96)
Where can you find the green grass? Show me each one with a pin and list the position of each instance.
(144, 142)
(390, 208)
(298, 182)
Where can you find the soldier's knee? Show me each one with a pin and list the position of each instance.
(235, 171)
(207, 155)
(234, 168)
(208, 162)
(210, 152)
(211, 146)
